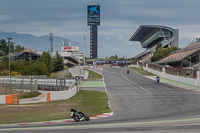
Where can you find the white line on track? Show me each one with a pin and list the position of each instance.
(129, 81)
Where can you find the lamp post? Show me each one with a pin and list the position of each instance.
(84, 53)
(9, 38)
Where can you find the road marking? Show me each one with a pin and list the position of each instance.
(130, 81)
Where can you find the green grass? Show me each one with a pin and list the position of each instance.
(53, 75)
(93, 75)
(91, 103)
(141, 71)
(29, 94)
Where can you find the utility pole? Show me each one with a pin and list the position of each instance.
(84, 53)
(9, 39)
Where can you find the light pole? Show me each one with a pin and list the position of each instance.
(84, 53)
(9, 39)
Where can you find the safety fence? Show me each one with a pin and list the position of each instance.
(31, 85)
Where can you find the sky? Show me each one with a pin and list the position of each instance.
(119, 20)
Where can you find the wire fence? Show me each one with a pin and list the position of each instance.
(22, 86)
(8, 85)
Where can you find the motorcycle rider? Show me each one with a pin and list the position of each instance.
(158, 79)
(127, 71)
(77, 113)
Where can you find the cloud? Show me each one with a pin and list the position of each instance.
(108, 38)
(120, 37)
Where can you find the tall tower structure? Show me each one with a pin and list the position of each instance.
(51, 42)
(93, 19)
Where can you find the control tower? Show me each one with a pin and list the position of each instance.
(93, 19)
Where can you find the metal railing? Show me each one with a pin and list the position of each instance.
(24, 84)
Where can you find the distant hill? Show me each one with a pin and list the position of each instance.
(40, 43)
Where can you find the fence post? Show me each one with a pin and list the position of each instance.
(163, 71)
(6, 90)
(31, 86)
(36, 87)
(198, 78)
(22, 86)
(10, 87)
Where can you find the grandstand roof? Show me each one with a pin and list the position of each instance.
(144, 30)
(144, 33)
(181, 54)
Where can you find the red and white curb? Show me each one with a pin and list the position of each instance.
(104, 115)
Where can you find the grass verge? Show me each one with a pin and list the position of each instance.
(141, 71)
(29, 94)
(91, 103)
(93, 75)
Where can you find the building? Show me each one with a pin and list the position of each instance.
(70, 54)
(150, 35)
(186, 57)
(27, 55)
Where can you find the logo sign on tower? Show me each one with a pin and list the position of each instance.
(94, 11)
(93, 15)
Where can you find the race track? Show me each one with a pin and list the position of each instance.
(138, 104)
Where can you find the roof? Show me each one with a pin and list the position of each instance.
(181, 54)
(144, 30)
(197, 65)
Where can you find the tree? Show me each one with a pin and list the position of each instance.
(161, 53)
(37, 68)
(3, 47)
(47, 60)
(58, 63)
(19, 48)
(18, 66)
(113, 57)
(159, 45)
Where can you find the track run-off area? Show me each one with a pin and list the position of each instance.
(138, 104)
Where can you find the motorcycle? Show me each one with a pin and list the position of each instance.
(158, 79)
(78, 116)
(127, 71)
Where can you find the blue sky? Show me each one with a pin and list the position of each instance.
(119, 20)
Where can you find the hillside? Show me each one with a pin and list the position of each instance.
(39, 43)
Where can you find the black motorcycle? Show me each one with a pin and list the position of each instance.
(127, 71)
(79, 116)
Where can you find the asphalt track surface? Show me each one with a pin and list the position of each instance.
(139, 104)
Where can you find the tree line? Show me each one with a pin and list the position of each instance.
(45, 66)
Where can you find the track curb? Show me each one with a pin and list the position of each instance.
(104, 115)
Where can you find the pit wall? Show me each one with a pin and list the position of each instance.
(191, 81)
(61, 95)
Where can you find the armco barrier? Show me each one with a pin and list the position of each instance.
(61, 95)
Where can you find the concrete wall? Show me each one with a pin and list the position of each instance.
(2, 99)
(60, 95)
(191, 81)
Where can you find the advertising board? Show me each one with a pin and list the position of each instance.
(93, 11)
(70, 48)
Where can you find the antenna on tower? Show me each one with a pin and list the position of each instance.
(51, 42)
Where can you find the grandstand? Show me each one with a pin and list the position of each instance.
(27, 55)
(150, 35)
(186, 57)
